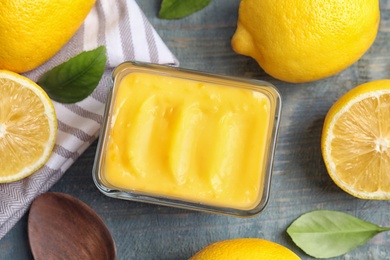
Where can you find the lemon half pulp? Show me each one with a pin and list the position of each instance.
(356, 141)
(28, 127)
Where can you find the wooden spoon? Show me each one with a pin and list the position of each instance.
(62, 227)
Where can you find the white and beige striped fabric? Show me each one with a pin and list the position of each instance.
(121, 27)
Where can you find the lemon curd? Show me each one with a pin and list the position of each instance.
(187, 140)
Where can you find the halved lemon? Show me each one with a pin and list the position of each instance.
(28, 127)
(356, 141)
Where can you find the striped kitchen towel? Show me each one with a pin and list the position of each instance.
(123, 29)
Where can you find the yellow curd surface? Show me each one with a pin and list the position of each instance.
(189, 140)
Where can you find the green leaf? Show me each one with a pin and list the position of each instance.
(75, 79)
(325, 233)
(175, 9)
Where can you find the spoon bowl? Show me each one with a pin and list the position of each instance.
(63, 227)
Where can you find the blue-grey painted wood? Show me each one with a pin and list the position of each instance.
(300, 182)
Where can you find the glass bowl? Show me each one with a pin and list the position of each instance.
(188, 139)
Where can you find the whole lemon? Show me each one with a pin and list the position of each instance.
(305, 40)
(31, 32)
(245, 249)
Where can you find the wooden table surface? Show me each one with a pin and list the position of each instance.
(300, 181)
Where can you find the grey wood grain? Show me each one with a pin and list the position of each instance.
(300, 182)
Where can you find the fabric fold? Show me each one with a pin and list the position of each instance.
(127, 34)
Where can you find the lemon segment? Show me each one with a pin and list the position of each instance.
(356, 141)
(28, 127)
